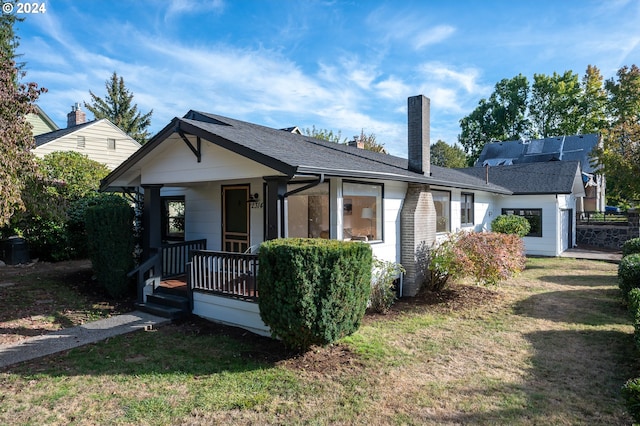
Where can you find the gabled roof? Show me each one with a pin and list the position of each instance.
(293, 154)
(57, 134)
(562, 148)
(552, 177)
(43, 117)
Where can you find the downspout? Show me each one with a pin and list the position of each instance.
(320, 180)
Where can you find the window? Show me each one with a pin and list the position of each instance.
(466, 209)
(173, 218)
(362, 211)
(534, 216)
(308, 212)
(111, 144)
(80, 141)
(442, 202)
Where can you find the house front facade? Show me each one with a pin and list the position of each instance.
(235, 184)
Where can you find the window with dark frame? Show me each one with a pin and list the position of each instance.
(534, 216)
(173, 218)
(111, 144)
(80, 141)
(466, 209)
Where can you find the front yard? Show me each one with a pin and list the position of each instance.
(551, 346)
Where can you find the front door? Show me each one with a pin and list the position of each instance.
(235, 218)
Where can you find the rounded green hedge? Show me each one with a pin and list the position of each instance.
(629, 273)
(511, 224)
(631, 246)
(313, 291)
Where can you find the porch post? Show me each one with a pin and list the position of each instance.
(274, 206)
(151, 220)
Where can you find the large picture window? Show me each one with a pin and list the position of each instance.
(466, 209)
(442, 203)
(308, 212)
(362, 211)
(534, 216)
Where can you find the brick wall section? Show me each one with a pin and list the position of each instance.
(418, 232)
(418, 134)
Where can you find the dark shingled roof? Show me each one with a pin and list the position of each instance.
(294, 154)
(563, 148)
(56, 134)
(552, 177)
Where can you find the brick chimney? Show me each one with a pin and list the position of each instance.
(356, 142)
(418, 132)
(76, 116)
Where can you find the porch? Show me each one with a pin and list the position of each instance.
(171, 282)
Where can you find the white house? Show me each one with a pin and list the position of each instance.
(100, 140)
(240, 184)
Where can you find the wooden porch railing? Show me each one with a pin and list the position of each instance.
(229, 274)
(176, 255)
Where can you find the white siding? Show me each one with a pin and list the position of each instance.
(95, 148)
(174, 162)
(230, 311)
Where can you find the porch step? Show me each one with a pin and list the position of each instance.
(162, 311)
(166, 305)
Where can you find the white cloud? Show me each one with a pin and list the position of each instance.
(177, 7)
(432, 36)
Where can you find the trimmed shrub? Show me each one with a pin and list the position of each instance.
(629, 274)
(631, 396)
(511, 224)
(313, 291)
(76, 226)
(634, 309)
(383, 293)
(110, 237)
(631, 246)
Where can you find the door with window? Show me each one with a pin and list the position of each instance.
(235, 218)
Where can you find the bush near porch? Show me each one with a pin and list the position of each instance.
(313, 291)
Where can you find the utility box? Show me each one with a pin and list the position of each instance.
(14, 251)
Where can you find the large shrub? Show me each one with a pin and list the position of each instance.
(511, 224)
(487, 257)
(631, 246)
(109, 227)
(313, 291)
(629, 274)
(634, 309)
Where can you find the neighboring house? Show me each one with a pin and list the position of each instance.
(562, 148)
(41, 122)
(100, 140)
(239, 184)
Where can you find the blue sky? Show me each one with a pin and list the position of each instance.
(339, 65)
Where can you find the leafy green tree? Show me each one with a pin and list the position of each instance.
(16, 139)
(118, 108)
(324, 134)
(445, 155)
(593, 102)
(501, 117)
(554, 104)
(619, 155)
(76, 174)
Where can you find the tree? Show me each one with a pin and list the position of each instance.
(116, 107)
(619, 155)
(554, 104)
(76, 173)
(16, 139)
(501, 117)
(445, 155)
(593, 102)
(324, 134)
(369, 142)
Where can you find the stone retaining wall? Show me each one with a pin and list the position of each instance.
(607, 236)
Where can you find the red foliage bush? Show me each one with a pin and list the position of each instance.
(488, 257)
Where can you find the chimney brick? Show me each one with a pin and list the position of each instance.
(76, 116)
(418, 132)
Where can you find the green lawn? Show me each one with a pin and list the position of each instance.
(551, 346)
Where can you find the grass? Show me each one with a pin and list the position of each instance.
(553, 347)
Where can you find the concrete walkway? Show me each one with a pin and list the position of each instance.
(68, 338)
(593, 254)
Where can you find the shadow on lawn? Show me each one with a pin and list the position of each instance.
(580, 280)
(588, 307)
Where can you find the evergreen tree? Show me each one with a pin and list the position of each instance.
(117, 107)
(593, 102)
(445, 155)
